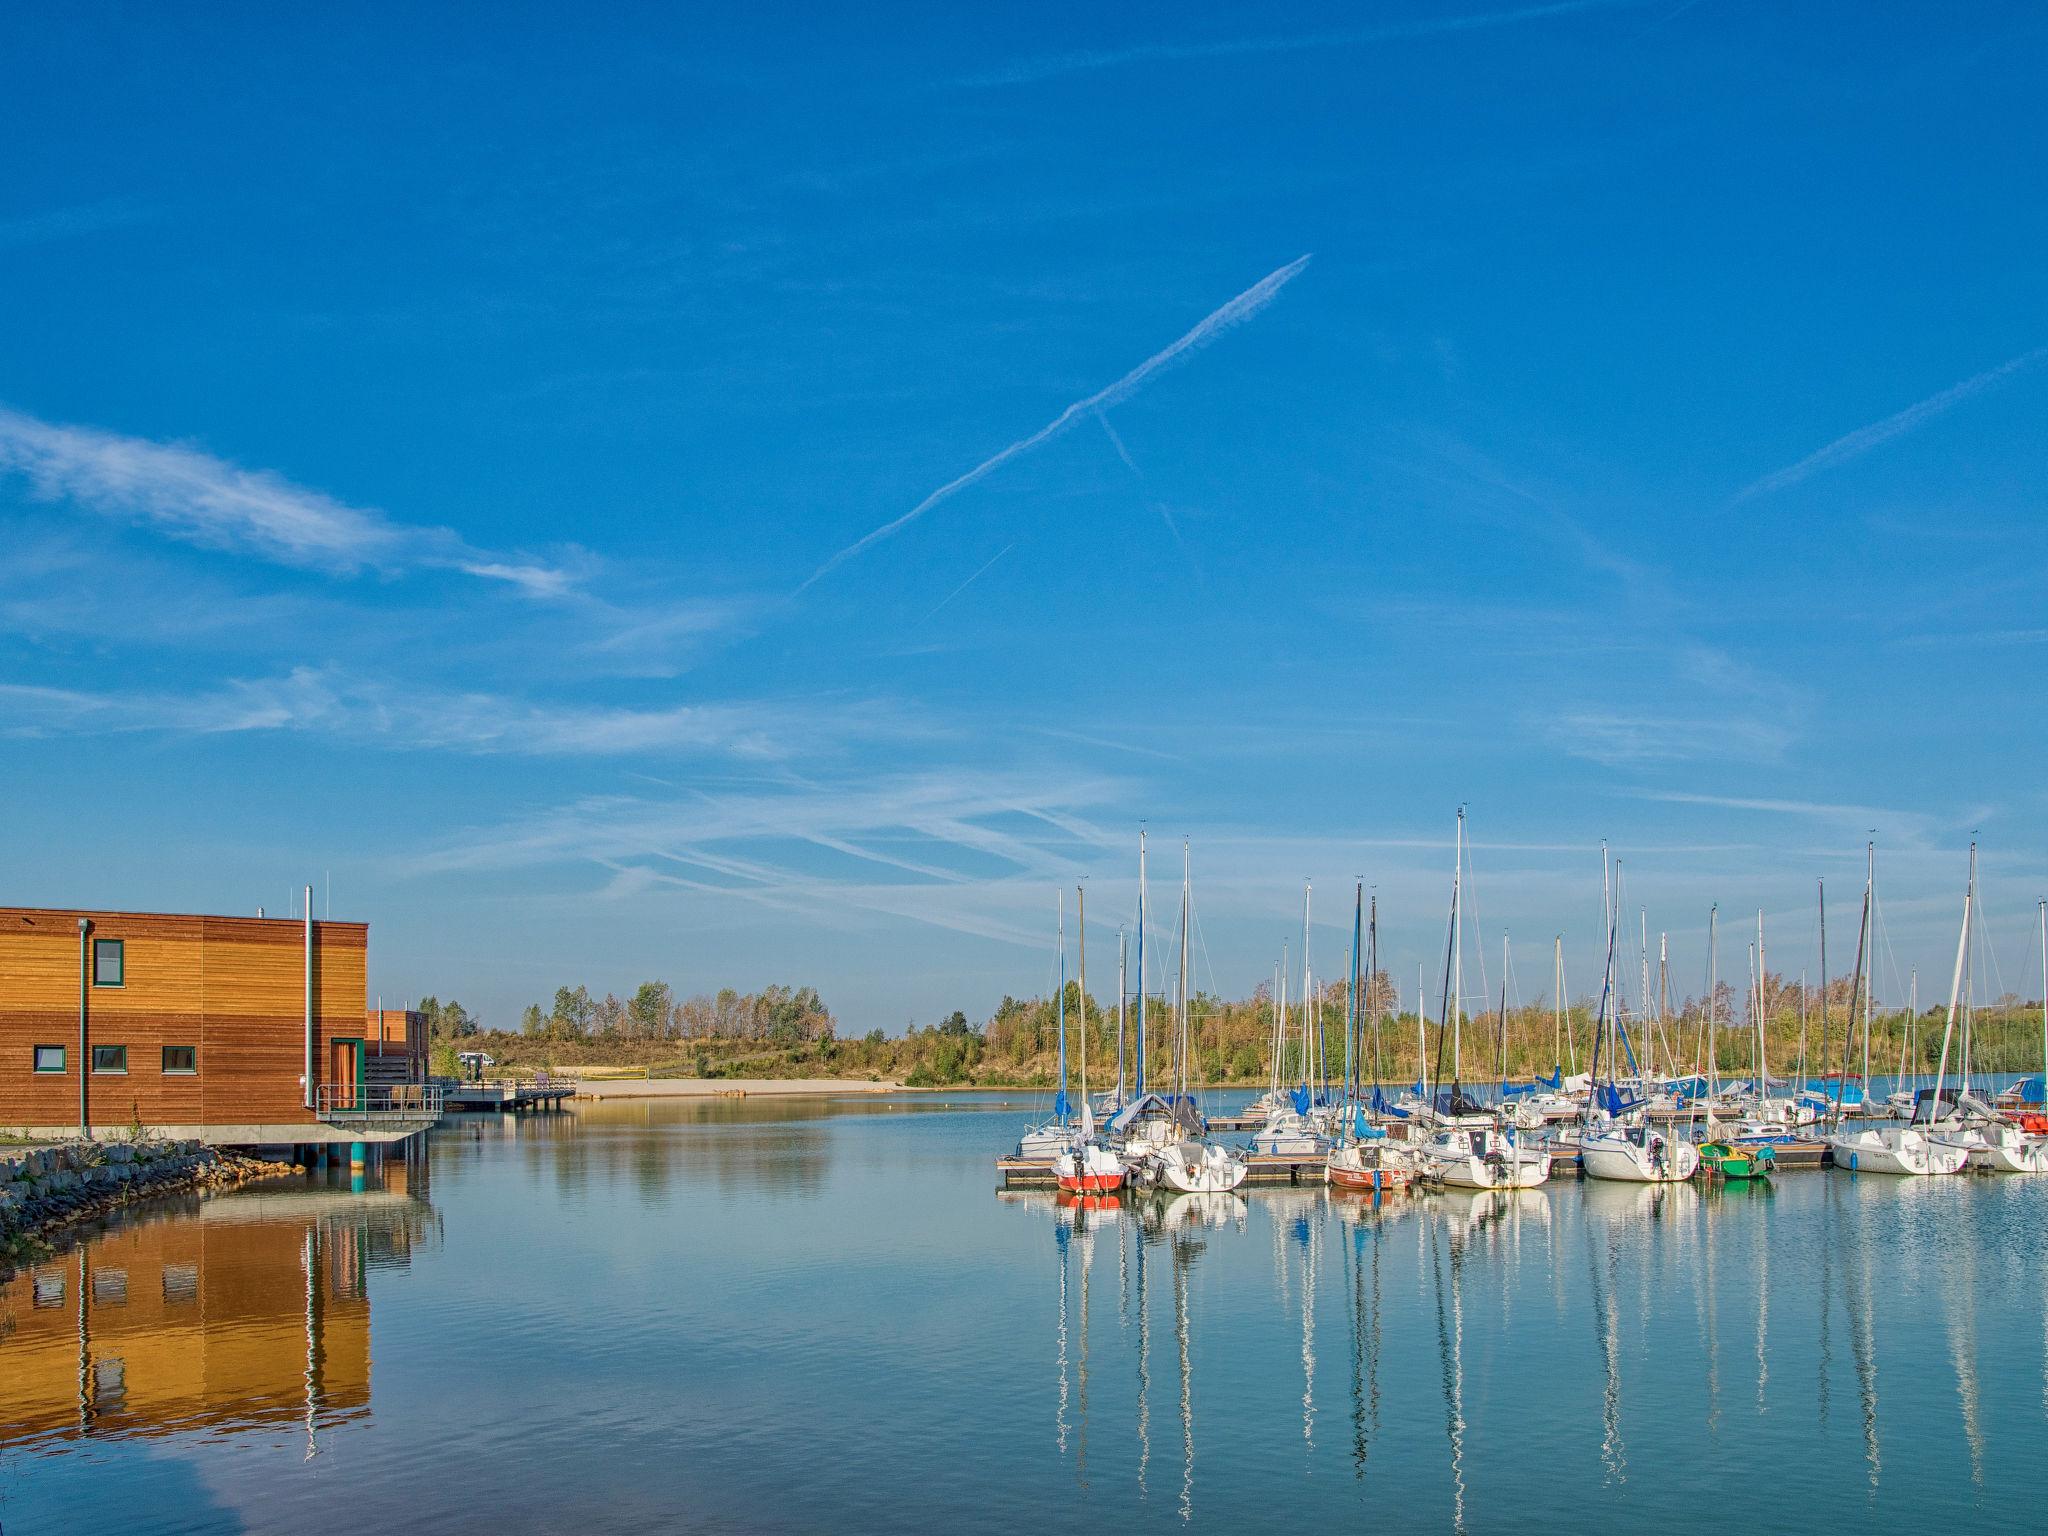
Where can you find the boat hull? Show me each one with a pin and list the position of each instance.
(1626, 1163)
(1906, 1155)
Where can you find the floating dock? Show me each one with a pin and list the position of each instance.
(507, 1097)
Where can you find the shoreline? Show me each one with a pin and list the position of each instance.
(47, 1193)
(600, 1088)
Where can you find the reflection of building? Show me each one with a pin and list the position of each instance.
(249, 1310)
(235, 1030)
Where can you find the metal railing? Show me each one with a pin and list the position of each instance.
(379, 1104)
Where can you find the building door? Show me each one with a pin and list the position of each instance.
(345, 1073)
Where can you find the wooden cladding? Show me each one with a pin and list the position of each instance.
(230, 989)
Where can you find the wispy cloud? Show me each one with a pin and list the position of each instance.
(190, 495)
(64, 223)
(1907, 830)
(330, 703)
(1212, 325)
(1855, 444)
(1620, 740)
(975, 853)
(1051, 66)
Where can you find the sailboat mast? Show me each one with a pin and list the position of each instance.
(1713, 996)
(1955, 988)
(1372, 970)
(1354, 1053)
(1180, 1070)
(1120, 1018)
(1457, 953)
(1557, 1004)
(1823, 887)
(1138, 1070)
(1866, 945)
(1081, 935)
(1060, 1103)
(1308, 1050)
(1763, 1056)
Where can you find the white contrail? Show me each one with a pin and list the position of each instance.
(970, 581)
(1243, 307)
(1855, 444)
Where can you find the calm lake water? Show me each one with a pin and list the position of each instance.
(821, 1315)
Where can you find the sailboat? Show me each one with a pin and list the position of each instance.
(1191, 1166)
(1363, 1158)
(1472, 1148)
(1290, 1129)
(1087, 1166)
(1150, 1122)
(1991, 1141)
(1054, 1136)
(1913, 1149)
(1625, 1147)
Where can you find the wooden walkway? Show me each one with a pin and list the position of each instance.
(512, 1096)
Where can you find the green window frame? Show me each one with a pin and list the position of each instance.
(50, 1059)
(109, 963)
(110, 1061)
(181, 1061)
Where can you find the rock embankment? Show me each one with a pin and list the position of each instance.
(45, 1190)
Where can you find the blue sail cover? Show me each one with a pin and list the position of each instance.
(2028, 1089)
(1689, 1087)
(1299, 1098)
(1362, 1128)
(1553, 1082)
(1819, 1088)
(1061, 1105)
(1516, 1090)
(1614, 1102)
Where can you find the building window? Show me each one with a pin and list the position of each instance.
(181, 1060)
(181, 1283)
(49, 1058)
(110, 1287)
(109, 963)
(110, 1058)
(49, 1290)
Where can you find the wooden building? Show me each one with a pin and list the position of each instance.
(396, 1043)
(235, 1030)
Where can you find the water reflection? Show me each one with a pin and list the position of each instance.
(1644, 1275)
(249, 1310)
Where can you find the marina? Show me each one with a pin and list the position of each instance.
(1474, 1360)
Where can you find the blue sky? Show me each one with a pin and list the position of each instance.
(418, 436)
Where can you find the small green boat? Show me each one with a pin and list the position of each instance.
(1725, 1161)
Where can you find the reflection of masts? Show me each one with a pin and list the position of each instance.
(1862, 1335)
(1613, 1453)
(1763, 1317)
(1144, 1367)
(1308, 1335)
(1450, 1340)
(1187, 1401)
(1962, 1344)
(310, 1259)
(1060, 1412)
(1086, 1239)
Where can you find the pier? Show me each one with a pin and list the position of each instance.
(509, 1095)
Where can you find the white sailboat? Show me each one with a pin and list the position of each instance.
(1290, 1129)
(1991, 1142)
(1914, 1150)
(1622, 1145)
(1192, 1166)
(1086, 1166)
(1054, 1136)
